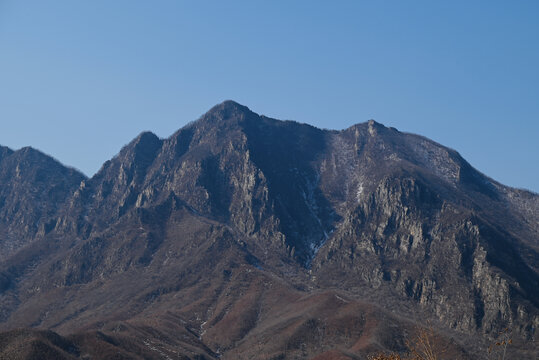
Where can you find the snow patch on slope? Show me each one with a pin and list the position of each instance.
(309, 197)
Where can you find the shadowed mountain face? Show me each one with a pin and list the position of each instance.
(242, 235)
(33, 188)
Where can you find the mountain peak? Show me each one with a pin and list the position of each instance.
(226, 110)
(374, 126)
(5, 151)
(141, 149)
(27, 149)
(29, 152)
(373, 122)
(231, 104)
(146, 137)
(143, 140)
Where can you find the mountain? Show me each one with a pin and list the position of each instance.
(33, 187)
(242, 236)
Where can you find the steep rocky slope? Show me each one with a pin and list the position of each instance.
(242, 235)
(33, 187)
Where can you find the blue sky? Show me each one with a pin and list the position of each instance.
(79, 79)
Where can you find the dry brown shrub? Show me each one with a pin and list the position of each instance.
(385, 357)
(424, 346)
(421, 347)
(498, 350)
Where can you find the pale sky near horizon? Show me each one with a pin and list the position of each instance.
(80, 79)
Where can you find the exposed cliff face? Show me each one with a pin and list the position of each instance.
(406, 242)
(236, 219)
(228, 167)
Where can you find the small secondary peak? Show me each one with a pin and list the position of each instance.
(373, 126)
(30, 151)
(147, 136)
(146, 141)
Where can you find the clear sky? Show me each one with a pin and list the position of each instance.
(79, 79)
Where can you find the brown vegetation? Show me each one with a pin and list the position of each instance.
(424, 346)
(498, 349)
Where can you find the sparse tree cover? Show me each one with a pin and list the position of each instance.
(422, 346)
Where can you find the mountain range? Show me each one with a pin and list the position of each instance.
(245, 237)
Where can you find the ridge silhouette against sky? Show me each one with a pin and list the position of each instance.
(79, 78)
